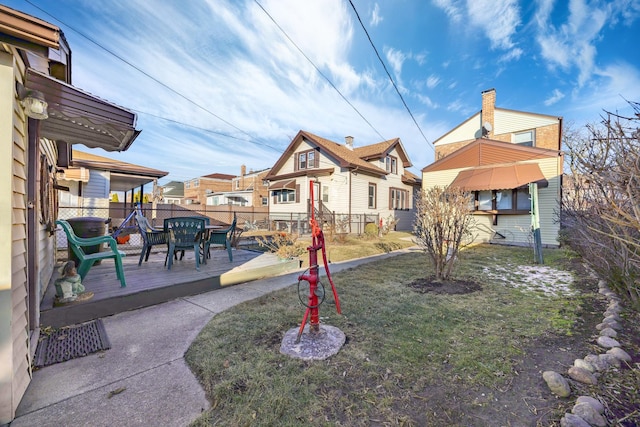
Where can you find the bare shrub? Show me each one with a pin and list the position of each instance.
(443, 226)
(600, 212)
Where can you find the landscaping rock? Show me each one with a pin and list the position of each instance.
(557, 383)
(596, 362)
(582, 375)
(609, 360)
(589, 414)
(609, 324)
(611, 318)
(619, 354)
(572, 420)
(608, 332)
(581, 363)
(607, 342)
(597, 405)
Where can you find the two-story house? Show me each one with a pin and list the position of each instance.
(495, 154)
(368, 180)
(197, 189)
(173, 193)
(247, 189)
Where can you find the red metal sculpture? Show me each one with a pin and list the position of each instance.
(315, 287)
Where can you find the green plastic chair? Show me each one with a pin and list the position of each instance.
(85, 260)
(150, 236)
(185, 233)
(222, 238)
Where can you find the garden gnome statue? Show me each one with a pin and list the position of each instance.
(69, 286)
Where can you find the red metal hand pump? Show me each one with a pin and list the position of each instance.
(317, 243)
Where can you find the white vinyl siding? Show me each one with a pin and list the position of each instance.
(468, 130)
(506, 121)
(516, 228)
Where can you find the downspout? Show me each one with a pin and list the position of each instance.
(350, 172)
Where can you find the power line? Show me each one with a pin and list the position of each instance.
(204, 129)
(389, 75)
(145, 73)
(318, 70)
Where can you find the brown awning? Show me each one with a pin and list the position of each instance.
(499, 177)
(74, 174)
(289, 185)
(77, 117)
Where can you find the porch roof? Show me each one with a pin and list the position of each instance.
(77, 117)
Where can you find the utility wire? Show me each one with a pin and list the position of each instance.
(389, 75)
(146, 74)
(204, 129)
(318, 70)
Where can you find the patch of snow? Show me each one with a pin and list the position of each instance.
(538, 278)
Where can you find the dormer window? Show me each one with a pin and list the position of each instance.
(391, 164)
(307, 160)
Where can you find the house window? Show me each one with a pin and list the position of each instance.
(503, 200)
(237, 184)
(187, 184)
(285, 196)
(398, 199)
(265, 201)
(325, 194)
(391, 164)
(195, 183)
(526, 139)
(307, 159)
(372, 196)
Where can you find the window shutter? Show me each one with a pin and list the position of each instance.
(390, 198)
(317, 159)
(297, 193)
(275, 198)
(295, 162)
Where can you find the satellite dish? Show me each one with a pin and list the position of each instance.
(487, 126)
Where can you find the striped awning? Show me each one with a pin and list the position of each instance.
(499, 177)
(74, 174)
(288, 184)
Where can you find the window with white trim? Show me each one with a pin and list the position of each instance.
(398, 198)
(527, 139)
(372, 195)
(285, 196)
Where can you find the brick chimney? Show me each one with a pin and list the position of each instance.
(348, 142)
(243, 170)
(488, 112)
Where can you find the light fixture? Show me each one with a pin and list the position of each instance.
(35, 106)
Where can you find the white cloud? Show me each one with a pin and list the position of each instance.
(453, 8)
(498, 20)
(573, 43)
(376, 18)
(555, 97)
(513, 55)
(433, 81)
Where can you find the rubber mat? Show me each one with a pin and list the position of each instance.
(72, 342)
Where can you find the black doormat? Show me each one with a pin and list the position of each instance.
(71, 342)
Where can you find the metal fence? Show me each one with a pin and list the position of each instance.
(249, 219)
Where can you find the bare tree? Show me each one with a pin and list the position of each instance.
(442, 226)
(600, 212)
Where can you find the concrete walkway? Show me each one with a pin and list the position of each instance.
(143, 379)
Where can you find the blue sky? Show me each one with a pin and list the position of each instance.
(217, 84)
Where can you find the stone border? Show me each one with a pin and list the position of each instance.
(587, 410)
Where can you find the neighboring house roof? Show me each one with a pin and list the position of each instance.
(485, 152)
(124, 176)
(347, 158)
(411, 178)
(382, 149)
(173, 189)
(219, 176)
